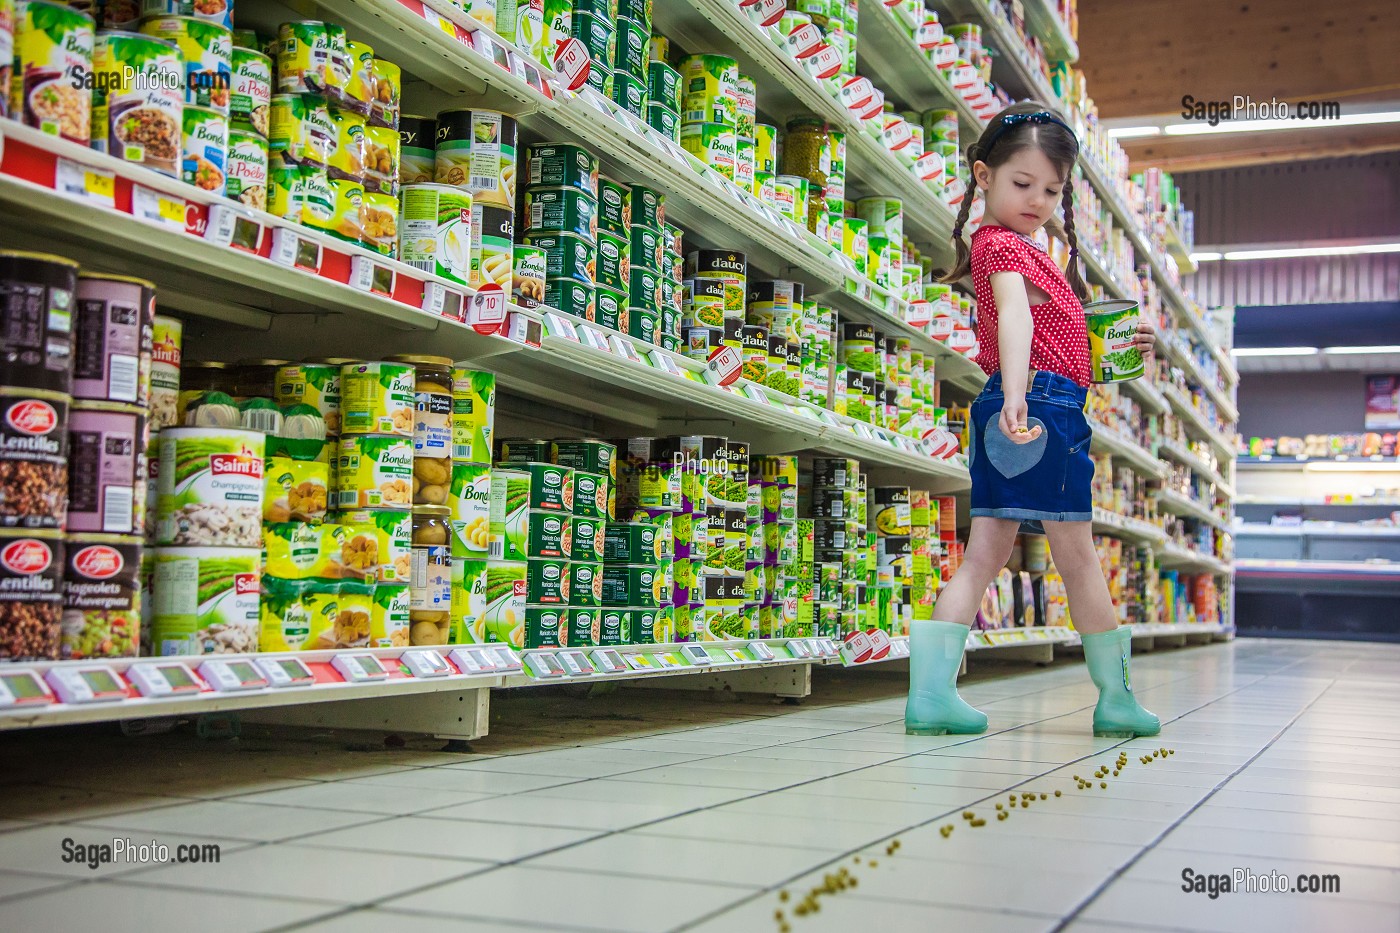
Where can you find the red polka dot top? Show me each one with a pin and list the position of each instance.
(1060, 342)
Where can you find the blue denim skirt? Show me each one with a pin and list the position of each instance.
(1049, 479)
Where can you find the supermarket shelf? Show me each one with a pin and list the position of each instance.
(1318, 530)
(1175, 557)
(1130, 529)
(1147, 394)
(1099, 274)
(1110, 441)
(1169, 500)
(1380, 502)
(1051, 29)
(1330, 569)
(889, 55)
(1173, 451)
(275, 301)
(1197, 425)
(1012, 68)
(1176, 247)
(1269, 462)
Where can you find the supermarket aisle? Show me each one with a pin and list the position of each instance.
(657, 811)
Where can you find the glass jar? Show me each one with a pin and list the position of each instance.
(255, 379)
(198, 378)
(432, 427)
(430, 585)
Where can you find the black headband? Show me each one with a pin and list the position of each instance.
(1042, 117)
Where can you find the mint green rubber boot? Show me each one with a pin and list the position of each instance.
(1118, 714)
(934, 707)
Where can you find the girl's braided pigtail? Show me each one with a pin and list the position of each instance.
(962, 265)
(1072, 275)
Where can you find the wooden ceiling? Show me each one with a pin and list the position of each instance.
(1141, 58)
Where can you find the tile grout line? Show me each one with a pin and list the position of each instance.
(1153, 843)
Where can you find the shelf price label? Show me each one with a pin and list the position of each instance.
(824, 63)
(232, 228)
(23, 688)
(89, 184)
(756, 393)
(486, 311)
(660, 360)
(163, 209)
(369, 276)
(622, 347)
(724, 366)
(768, 12)
(292, 250)
(571, 63)
(590, 337)
(560, 326)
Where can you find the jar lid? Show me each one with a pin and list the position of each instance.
(432, 511)
(420, 360)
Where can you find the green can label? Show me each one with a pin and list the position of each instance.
(614, 260)
(614, 206)
(561, 165)
(568, 210)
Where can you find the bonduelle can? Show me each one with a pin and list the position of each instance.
(379, 214)
(246, 170)
(709, 90)
(301, 129)
(207, 51)
(204, 148)
(138, 99)
(388, 90)
(713, 144)
(250, 99)
(52, 45)
(381, 159)
(347, 158)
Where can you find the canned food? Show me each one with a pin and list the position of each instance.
(556, 165)
(703, 301)
(417, 155)
(647, 247)
(436, 230)
(528, 271)
(700, 342)
(545, 627)
(377, 545)
(601, 78)
(107, 468)
(473, 414)
(765, 148)
(373, 471)
(648, 207)
(300, 192)
(165, 371)
(584, 623)
(612, 309)
(567, 255)
(764, 188)
(632, 36)
(566, 210)
(636, 585)
(53, 44)
(525, 450)
(205, 148)
(475, 149)
(33, 460)
(302, 132)
(710, 89)
(388, 83)
(296, 491)
(743, 163)
(246, 169)
(644, 324)
(347, 200)
(713, 144)
(791, 192)
(663, 85)
(377, 398)
(728, 268)
(430, 589)
(493, 245)
(36, 316)
(745, 105)
(137, 99)
(31, 595)
(572, 297)
(644, 289)
(310, 58)
(101, 597)
(211, 487)
(115, 321)
(665, 120)
(347, 155)
(614, 260)
(599, 35)
(469, 500)
(251, 97)
(885, 217)
(630, 93)
(360, 89)
(855, 244)
(207, 50)
(614, 206)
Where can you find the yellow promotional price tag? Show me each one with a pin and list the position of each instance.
(100, 184)
(172, 211)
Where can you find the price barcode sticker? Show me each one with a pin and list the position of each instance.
(856, 93)
(441, 22)
(590, 337)
(804, 40)
(434, 295)
(824, 63)
(90, 184)
(164, 209)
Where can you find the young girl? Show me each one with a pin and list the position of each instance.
(1029, 457)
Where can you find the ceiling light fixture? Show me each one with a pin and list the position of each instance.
(1357, 351)
(1134, 132)
(1264, 126)
(1273, 351)
(1296, 252)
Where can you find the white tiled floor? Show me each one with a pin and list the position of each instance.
(655, 811)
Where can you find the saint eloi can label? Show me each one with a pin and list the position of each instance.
(165, 371)
(435, 230)
(137, 99)
(206, 600)
(475, 149)
(52, 46)
(1112, 340)
(211, 487)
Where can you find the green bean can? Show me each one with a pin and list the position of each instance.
(632, 36)
(711, 143)
(664, 120)
(745, 105)
(630, 93)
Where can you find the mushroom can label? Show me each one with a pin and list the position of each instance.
(210, 488)
(206, 601)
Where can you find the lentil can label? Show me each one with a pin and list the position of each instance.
(137, 100)
(632, 36)
(31, 595)
(50, 89)
(612, 309)
(435, 230)
(377, 398)
(206, 601)
(101, 598)
(374, 472)
(567, 255)
(614, 260)
(614, 207)
(207, 50)
(648, 207)
(33, 461)
(251, 98)
(246, 175)
(574, 297)
(107, 481)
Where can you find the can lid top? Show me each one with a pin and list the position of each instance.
(48, 534)
(331, 360)
(207, 364)
(116, 540)
(1110, 306)
(45, 257)
(258, 362)
(107, 277)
